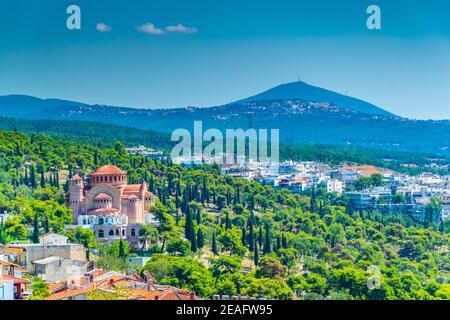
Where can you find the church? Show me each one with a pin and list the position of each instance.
(110, 206)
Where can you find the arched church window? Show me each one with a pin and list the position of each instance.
(101, 221)
(117, 232)
(133, 232)
(111, 233)
(123, 232)
(101, 234)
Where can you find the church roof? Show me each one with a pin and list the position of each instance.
(132, 188)
(108, 169)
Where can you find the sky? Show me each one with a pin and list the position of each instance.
(175, 53)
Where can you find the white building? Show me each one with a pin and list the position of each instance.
(335, 186)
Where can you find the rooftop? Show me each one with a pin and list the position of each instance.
(108, 169)
(47, 260)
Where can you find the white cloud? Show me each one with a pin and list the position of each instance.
(179, 28)
(150, 28)
(102, 27)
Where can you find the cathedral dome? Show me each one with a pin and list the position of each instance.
(108, 174)
(108, 169)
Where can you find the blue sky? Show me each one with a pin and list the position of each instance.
(212, 52)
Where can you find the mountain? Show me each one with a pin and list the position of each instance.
(300, 120)
(21, 105)
(303, 91)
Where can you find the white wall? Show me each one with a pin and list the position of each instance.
(6, 290)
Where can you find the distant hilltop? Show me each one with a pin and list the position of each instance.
(303, 91)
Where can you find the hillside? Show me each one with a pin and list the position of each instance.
(312, 119)
(302, 91)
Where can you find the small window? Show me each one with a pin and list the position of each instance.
(111, 233)
(101, 234)
(133, 232)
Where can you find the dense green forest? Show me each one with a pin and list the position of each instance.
(221, 235)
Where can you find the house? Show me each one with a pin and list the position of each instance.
(56, 268)
(12, 285)
(53, 239)
(55, 247)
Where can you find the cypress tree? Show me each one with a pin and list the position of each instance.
(36, 232)
(121, 249)
(33, 176)
(42, 178)
(200, 238)
(151, 184)
(251, 237)
(284, 241)
(252, 203)
(214, 244)
(260, 237)
(243, 237)
(278, 242)
(256, 255)
(2, 234)
(313, 199)
(227, 220)
(267, 243)
(96, 157)
(46, 224)
(189, 225)
(177, 217)
(194, 243)
(205, 193)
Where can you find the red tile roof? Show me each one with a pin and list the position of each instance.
(108, 169)
(15, 250)
(16, 280)
(69, 293)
